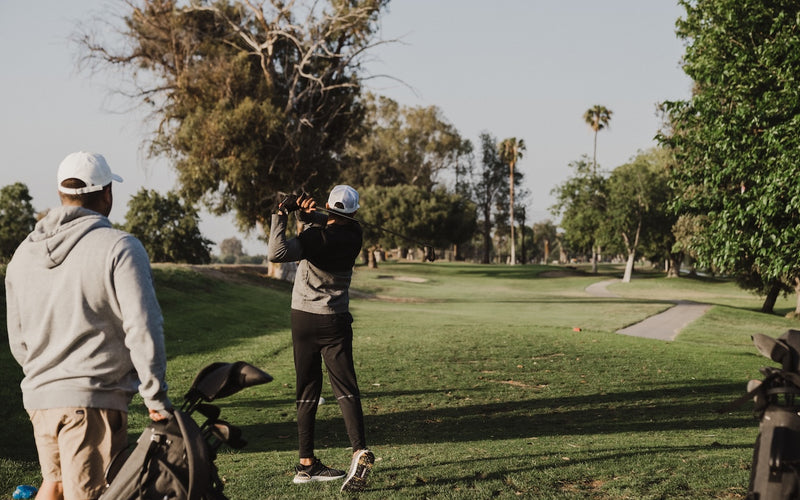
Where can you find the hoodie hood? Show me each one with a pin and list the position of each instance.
(56, 234)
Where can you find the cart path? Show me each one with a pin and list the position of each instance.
(663, 326)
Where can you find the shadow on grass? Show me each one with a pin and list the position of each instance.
(540, 460)
(641, 411)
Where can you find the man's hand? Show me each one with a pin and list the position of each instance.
(155, 416)
(307, 203)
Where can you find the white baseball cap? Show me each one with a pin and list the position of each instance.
(343, 199)
(91, 168)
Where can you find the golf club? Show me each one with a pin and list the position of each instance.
(430, 254)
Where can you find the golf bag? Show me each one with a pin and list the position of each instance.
(171, 460)
(174, 458)
(775, 473)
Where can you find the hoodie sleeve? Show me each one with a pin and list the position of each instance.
(279, 249)
(15, 341)
(142, 321)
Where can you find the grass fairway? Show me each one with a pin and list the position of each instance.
(475, 384)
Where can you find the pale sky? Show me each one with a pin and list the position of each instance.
(515, 68)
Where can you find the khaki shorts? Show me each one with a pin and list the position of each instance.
(76, 445)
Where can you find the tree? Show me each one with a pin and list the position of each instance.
(582, 201)
(167, 227)
(544, 240)
(487, 187)
(637, 201)
(403, 145)
(523, 231)
(231, 248)
(437, 218)
(597, 117)
(737, 139)
(16, 218)
(250, 98)
(510, 152)
(661, 242)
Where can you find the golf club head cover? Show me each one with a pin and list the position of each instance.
(784, 350)
(773, 349)
(219, 380)
(792, 340)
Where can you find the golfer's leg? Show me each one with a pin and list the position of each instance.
(338, 357)
(308, 379)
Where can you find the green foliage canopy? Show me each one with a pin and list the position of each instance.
(582, 201)
(17, 218)
(231, 247)
(510, 151)
(438, 218)
(598, 118)
(249, 97)
(403, 145)
(489, 191)
(638, 194)
(737, 138)
(167, 227)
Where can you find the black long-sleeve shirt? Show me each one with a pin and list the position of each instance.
(326, 255)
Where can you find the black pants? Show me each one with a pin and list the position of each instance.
(330, 337)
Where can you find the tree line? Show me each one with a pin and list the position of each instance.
(250, 101)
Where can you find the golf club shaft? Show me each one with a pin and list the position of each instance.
(412, 240)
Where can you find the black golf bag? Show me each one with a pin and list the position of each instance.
(775, 473)
(174, 458)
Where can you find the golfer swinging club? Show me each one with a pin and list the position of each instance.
(321, 324)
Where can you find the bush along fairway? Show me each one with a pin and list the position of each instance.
(477, 382)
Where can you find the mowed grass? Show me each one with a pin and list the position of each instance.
(478, 382)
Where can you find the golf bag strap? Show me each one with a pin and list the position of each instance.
(155, 439)
(190, 457)
(739, 401)
(790, 377)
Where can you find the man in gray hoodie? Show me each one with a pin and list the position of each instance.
(86, 327)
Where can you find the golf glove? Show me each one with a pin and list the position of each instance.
(292, 202)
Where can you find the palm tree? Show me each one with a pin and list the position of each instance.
(597, 117)
(510, 150)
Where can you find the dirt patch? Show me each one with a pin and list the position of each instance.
(516, 383)
(242, 274)
(253, 274)
(388, 298)
(409, 279)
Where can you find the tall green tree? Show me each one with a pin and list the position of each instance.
(545, 240)
(582, 203)
(249, 98)
(598, 118)
(403, 145)
(737, 139)
(167, 227)
(17, 218)
(638, 195)
(437, 218)
(510, 152)
(231, 250)
(488, 188)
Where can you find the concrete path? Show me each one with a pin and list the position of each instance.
(662, 326)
